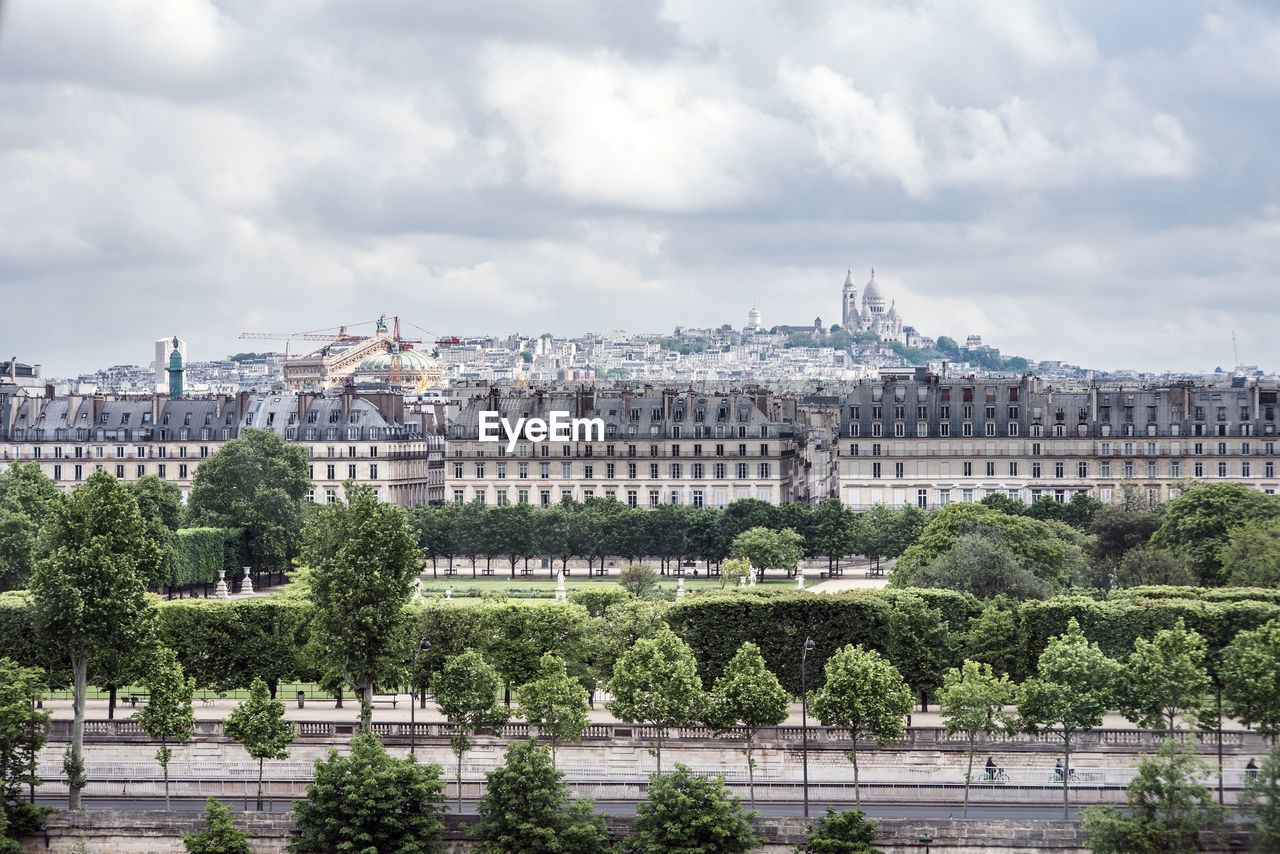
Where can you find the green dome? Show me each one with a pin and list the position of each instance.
(411, 361)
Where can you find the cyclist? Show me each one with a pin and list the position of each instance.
(1057, 771)
(992, 768)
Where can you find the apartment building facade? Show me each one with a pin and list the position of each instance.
(646, 448)
(924, 440)
(367, 437)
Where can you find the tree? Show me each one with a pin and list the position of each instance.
(160, 505)
(527, 808)
(733, 569)
(1198, 521)
(89, 591)
(865, 695)
(554, 702)
(691, 814)
(656, 682)
(1165, 678)
(918, 644)
(982, 563)
(257, 482)
(370, 801)
(258, 724)
(364, 558)
(1073, 689)
(1251, 555)
(23, 731)
(835, 530)
(638, 579)
(993, 639)
(466, 691)
(27, 497)
(848, 832)
(168, 714)
(219, 835)
(972, 702)
(767, 548)
(1251, 679)
(1261, 797)
(1168, 807)
(622, 625)
(748, 693)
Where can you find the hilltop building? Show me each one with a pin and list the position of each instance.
(873, 316)
(350, 358)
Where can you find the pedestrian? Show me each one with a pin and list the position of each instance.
(1057, 770)
(1251, 770)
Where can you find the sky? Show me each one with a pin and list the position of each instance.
(1095, 182)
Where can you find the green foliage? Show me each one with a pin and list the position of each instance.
(554, 702)
(198, 554)
(993, 639)
(1165, 678)
(766, 548)
(919, 644)
(257, 482)
(638, 579)
(1168, 807)
(972, 702)
(526, 809)
(89, 590)
(168, 715)
(656, 682)
(685, 813)
(749, 694)
(847, 832)
(1261, 798)
(1251, 678)
(1035, 544)
(363, 559)
(219, 835)
(23, 731)
(1074, 687)
(27, 497)
(466, 692)
(982, 563)
(1251, 555)
(866, 696)
(1197, 523)
(597, 598)
(259, 726)
(369, 802)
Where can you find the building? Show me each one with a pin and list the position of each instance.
(16, 375)
(873, 316)
(650, 448)
(350, 357)
(370, 438)
(920, 439)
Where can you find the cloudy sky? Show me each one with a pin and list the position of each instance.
(1095, 182)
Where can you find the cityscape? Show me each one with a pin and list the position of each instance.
(582, 428)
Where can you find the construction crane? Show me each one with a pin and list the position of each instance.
(397, 344)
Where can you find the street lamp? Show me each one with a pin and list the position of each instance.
(925, 839)
(804, 721)
(423, 646)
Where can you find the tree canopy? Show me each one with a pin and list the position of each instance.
(1198, 523)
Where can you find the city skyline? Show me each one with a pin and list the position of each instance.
(1094, 187)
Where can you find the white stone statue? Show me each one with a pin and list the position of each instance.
(221, 591)
(799, 578)
(680, 588)
(752, 582)
(742, 581)
(417, 590)
(246, 586)
(562, 594)
(448, 594)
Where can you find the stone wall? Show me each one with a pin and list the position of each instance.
(136, 832)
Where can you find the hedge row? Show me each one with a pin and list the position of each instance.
(198, 554)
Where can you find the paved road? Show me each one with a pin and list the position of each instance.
(624, 808)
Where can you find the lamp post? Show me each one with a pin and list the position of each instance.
(423, 646)
(925, 839)
(804, 721)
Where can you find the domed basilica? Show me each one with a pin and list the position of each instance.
(886, 325)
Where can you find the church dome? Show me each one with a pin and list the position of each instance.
(848, 279)
(411, 361)
(893, 311)
(872, 290)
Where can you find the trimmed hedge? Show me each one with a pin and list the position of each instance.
(198, 554)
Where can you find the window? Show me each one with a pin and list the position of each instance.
(968, 469)
(991, 469)
(588, 472)
(1222, 469)
(1197, 469)
(633, 498)
(718, 471)
(898, 470)
(182, 472)
(1175, 469)
(479, 471)
(373, 471)
(696, 471)
(608, 471)
(160, 471)
(1035, 471)
(654, 497)
(142, 470)
(501, 470)
(1268, 469)
(57, 472)
(566, 471)
(695, 498)
(631, 471)
(741, 471)
(544, 497)
(765, 470)
(1013, 469)
(676, 471)
(331, 495)
(1082, 470)
(522, 471)
(922, 498)
(502, 498)
(653, 471)
(119, 472)
(1059, 469)
(1128, 468)
(330, 474)
(544, 470)
(351, 471)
